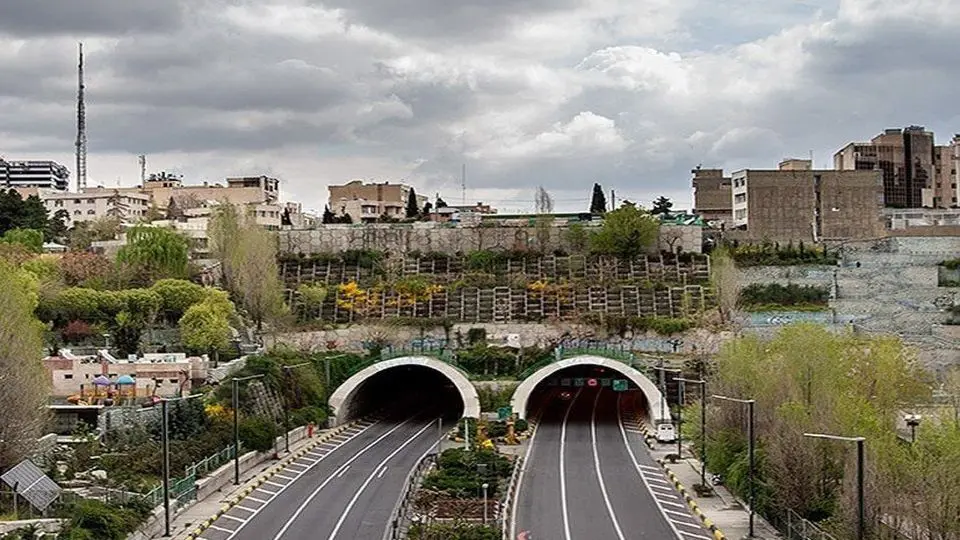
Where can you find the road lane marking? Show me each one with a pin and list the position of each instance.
(678, 505)
(280, 475)
(254, 499)
(563, 473)
(275, 484)
(383, 463)
(232, 518)
(599, 470)
(382, 472)
(221, 529)
(638, 467)
(319, 488)
(523, 470)
(343, 472)
(245, 508)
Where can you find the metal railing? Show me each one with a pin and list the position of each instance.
(795, 527)
(400, 519)
(505, 512)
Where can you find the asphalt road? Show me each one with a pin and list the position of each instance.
(344, 489)
(589, 475)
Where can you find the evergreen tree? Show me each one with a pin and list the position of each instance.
(440, 202)
(427, 209)
(413, 210)
(328, 216)
(662, 206)
(598, 203)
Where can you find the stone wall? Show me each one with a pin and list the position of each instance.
(402, 238)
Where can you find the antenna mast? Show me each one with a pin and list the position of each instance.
(81, 128)
(142, 159)
(463, 183)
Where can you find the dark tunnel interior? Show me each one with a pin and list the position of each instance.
(403, 391)
(588, 391)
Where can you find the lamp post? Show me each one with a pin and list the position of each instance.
(165, 435)
(485, 486)
(750, 403)
(286, 404)
(326, 370)
(703, 425)
(663, 385)
(236, 424)
(913, 420)
(861, 515)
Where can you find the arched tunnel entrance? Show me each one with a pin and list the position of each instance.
(405, 386)
(562, 381)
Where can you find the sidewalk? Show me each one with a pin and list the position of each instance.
(186, 521)
(726, 512)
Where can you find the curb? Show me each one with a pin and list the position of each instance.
(692, 503)
(648, 437)
(263, 477)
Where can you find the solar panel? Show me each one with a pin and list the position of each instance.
(31, 484)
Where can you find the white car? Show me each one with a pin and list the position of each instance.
(666, 433)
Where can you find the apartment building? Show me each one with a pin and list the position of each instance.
(917, 173)
(712, 199)
(28, 175)
(96, 203)
(796, 202)
(368, 202)
(162, 374)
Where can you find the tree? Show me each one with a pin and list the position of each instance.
(440, 202)
(427, 209)
(24, 396)
(205, 327)
(16, 212)
(598, 202)
(174, 212)
(127, 328)
(83, 234)
(32, 239)
(543, 203)
(177, 296)
(84, 268)
(413, 209)
(627, 232)
(160, 251)
(328, 216)
(725, 278)
(661, 206)
(57, 226)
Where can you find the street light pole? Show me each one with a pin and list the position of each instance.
(751, 434)
(485, 486)
(236, 425)
(703, 426)
(165, 444)
(912, 420)
(286, 404)
(861, 506)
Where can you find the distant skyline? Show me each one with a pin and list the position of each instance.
(559, 93)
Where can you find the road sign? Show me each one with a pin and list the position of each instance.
(591, 382)
(504, 412)
(605, 382)
(619, 385)
(578, 381)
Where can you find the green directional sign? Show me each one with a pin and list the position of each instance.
(504, 412)
(619, 385)
(578, 381)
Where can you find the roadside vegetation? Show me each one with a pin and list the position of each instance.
(810, 380)
(777, 297)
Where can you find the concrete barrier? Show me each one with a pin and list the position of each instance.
(45, 525)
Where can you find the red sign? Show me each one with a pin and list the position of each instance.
(591, 382)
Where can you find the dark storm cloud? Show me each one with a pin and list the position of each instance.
(462, 20)
(31, 18)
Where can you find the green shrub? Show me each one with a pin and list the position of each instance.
(458, 473)
(258, 433)
(520, 425)
(95, 520)
(453, 531)
(766, 294)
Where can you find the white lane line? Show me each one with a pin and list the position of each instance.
(383, 463)
(689, 524)
(638, 467)
(245, 508)
(647, 467)
(273, 495)
(599, 470)
(275, 484)
(383, 471)
(658, 480)
(232, 518)
(221, 529)
(281, 475)
(684, 533)
(330, 478)
(678, 505)
(523, 470)
(343, 471)
(563, 473)
(674, 512)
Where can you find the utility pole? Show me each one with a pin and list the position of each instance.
(463, 183)
(861, 506)
(236, 425)
(165, 435)
(81, 143)
(286, 404)
(750, 403)
(613, 200)
(142, 161)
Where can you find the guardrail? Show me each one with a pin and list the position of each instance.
(400, 518)
(509, 499)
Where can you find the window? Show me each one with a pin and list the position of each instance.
(58, 203)
(91, 201)
(77, 212)
(91, 212)
(76, 201)
(68, 376)
(173, 381)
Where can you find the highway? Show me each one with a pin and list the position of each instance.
(345, 488)
(588, 475)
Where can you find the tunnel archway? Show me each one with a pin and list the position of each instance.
(650, 391)
(342, 401)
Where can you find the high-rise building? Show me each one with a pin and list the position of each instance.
(33, 174)
(908, 161)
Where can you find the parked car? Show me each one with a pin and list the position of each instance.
(666, 433)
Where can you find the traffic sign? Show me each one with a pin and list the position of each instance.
(578, 381)
(619, 385)
(605, 382)
(591, 382)
(504, 412)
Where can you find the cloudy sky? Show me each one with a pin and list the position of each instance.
(558, 93)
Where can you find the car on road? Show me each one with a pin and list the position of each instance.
(666, 433)
(566, 395)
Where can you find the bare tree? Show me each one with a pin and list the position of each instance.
(726, 283)
(24, 379)
(543, 203)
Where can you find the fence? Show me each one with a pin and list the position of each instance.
(400, 520)
(509, 499)
(795, 527)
